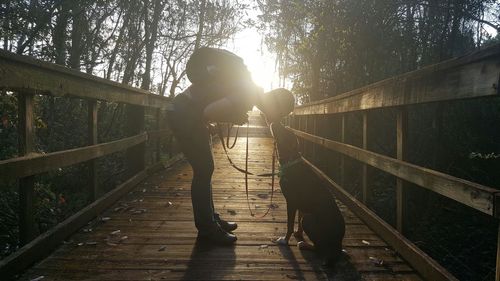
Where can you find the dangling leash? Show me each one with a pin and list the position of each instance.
(245, 171)
(226, 147)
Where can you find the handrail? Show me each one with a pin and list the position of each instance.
(479, 197)
(29, 75)
(40, 163)
(471, 76)
(25, 77)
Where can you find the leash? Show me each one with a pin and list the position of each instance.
(272, 180)
(225, 146)
(244, 171)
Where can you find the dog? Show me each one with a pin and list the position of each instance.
(319, 215)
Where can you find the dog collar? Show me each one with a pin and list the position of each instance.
(288, 165)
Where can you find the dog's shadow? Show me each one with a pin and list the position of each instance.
(342, 270)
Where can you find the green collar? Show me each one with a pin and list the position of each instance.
(285, 166)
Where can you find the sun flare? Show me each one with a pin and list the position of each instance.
(260, 62)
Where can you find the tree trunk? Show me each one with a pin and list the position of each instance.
(78, 14)
(59, 38)
(201, 24)
(6, 26)
(150, 45)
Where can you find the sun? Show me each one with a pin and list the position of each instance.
(260, 62)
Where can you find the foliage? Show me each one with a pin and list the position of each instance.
(329, 47)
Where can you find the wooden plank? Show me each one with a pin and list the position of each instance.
(26, 184)
(423, 263)
(92, 140)
(21, 73)
(49, 240)
(472, 194)
(401, 136)
(471, 76)
(159, 139)
(39, 163)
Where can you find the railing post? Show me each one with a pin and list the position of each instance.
(26, 184)
(497, 272)
(342, 158)
(92, 140)
(314, 132)
(401, 135)
(364, 179)
(158, 140)
(135, 156)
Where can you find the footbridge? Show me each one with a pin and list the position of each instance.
(142, 229)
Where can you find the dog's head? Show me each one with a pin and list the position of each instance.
(286, 143)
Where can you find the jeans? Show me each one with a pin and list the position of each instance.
(193, 138)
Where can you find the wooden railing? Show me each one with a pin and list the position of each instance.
(26, 77)
(473, 76)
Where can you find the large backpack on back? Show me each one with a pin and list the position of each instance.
(208, 65)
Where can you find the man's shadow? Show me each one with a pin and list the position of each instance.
(210, 262)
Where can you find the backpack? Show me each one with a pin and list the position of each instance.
(208, 65)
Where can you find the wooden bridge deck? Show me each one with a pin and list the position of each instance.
(150, 235)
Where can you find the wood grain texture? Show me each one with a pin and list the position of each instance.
(149, 234)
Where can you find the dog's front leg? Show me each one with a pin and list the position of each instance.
(290, 211)
(299, 234)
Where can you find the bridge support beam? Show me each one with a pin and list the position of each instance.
(27, 184)
(497, 273)
(364, 172)
(402, 133)
(135, 156)
(92, 140)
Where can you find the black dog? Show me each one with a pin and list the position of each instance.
(319, 215)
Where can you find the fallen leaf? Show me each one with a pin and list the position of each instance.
(377, 262)
(273, 206)
(263, 195)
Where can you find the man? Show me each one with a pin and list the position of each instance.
(222, 91)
